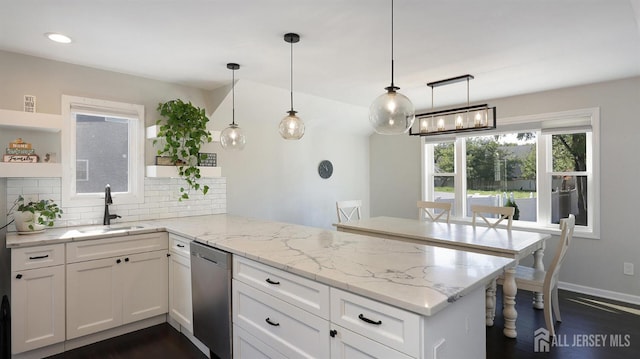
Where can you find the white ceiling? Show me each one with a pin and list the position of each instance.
(510, 46)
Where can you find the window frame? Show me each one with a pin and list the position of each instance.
(545, 125)
(136, 116)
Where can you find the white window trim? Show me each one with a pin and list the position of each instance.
(68, 147)
(559, 121)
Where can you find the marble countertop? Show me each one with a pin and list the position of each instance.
(416, 277)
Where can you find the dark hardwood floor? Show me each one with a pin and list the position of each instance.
(157, 342)
(583, 317)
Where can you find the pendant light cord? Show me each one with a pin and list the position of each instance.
(291, 76)
(392, 85)
(233, 97)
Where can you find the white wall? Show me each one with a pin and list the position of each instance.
(271, 179)
(277, 179)
(592, 263)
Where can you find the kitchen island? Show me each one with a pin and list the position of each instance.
(427, 281)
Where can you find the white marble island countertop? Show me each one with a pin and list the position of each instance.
(419, 278)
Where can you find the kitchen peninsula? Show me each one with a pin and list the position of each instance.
(443, 289)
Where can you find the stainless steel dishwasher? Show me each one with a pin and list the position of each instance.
(211, 297)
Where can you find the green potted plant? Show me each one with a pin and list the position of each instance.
(512, 203)
(34, 216)
(183, 132)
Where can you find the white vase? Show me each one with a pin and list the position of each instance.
(26, 219)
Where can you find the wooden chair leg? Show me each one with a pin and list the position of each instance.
(548, 319)
(555, 303)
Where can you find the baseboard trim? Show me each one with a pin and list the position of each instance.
(622, 297)
(114, 332)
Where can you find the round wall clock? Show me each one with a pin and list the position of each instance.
(325, 169)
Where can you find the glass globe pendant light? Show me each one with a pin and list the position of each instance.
(232, 137)
(291, 127)
(391, 113)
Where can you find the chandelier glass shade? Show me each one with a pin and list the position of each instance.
(232, 138)
(391, 113)
(291, 127)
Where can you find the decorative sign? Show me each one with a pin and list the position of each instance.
(29, 103)
(18, 151)
(20, 158)
(19, 144)
(207, 160)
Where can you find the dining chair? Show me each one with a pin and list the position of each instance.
(346, 210)
(546, 282)
(433, 210)
(502, 213)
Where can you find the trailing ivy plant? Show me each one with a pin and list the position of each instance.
(183, 132)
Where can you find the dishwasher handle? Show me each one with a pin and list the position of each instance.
(199, 255)
(212, 255)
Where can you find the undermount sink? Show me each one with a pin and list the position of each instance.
(111, 229)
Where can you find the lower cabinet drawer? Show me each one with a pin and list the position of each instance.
(290, 330)
(301, 292)
(246, 346)
(37, 257)
(391, 326)
(346, 344)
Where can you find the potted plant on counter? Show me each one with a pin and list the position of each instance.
(183, 132)
(34, 216)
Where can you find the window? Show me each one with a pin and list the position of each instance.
(104, 142)
(82, 170)
(545, 165)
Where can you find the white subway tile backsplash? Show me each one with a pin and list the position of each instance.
(161, 200)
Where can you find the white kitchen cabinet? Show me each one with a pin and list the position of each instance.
(180, 306)
(42, 131)
(346, 344)
(106, 293)
(289, 312)
(288, 329)
(94, 297)
(145, 286)
(115, 281)
(247, 346)
(37, 308)
(385, 324)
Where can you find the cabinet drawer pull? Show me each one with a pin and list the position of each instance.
(180, 245)
(333, 333)
(40, 257)
(126, 259)
(19, 276)
(268, 280)
(365, 319)
(119, 261)
(268, 320)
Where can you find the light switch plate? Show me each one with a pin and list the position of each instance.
(628, 268)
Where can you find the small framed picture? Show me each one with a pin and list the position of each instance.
(208, 160)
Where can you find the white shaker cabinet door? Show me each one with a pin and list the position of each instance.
(94, 297)
(180, 306)
(145, 286)
(37, 308)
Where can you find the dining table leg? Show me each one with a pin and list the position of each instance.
(491, 303)
(509, 291)
(538, 299)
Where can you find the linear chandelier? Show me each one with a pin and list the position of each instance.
(455, 120)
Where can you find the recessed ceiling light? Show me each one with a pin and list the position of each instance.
(63, 39)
